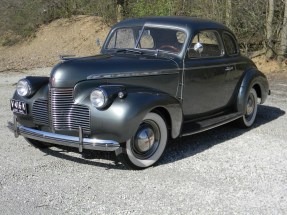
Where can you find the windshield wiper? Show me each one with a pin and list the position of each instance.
(129, 50)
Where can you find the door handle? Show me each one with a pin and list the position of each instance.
(229, 68)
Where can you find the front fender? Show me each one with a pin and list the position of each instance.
(122, 118)
(252, 79)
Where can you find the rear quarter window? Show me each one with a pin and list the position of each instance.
(230, 44)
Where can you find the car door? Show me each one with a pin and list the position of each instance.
(236, 65)
(205, 88)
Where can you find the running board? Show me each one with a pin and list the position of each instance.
(190, 128)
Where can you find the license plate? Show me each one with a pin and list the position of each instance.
(18, 107)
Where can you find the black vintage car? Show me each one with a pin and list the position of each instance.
(156, 78)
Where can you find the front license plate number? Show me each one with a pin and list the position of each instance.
(18, 107)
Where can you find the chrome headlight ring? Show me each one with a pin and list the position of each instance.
(24, 88)
(99, 98)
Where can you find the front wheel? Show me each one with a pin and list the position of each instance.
(147, 145)
(250, 110)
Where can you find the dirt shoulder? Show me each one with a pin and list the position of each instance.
(74, 36)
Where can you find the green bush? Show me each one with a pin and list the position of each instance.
(9, 41)
(142, 8)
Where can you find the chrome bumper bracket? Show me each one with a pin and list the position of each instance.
(80, 139)
(16, 131)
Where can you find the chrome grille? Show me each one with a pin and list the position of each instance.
(40, 112)
(65, 114)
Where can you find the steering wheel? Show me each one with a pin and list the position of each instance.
(169, 47)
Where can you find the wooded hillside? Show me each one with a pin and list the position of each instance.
(260, 25)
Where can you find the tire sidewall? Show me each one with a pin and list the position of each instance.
(249, 123)
(162, 144)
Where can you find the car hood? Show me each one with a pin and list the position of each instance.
(71, 71)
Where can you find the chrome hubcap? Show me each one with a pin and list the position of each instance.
(250, 105)
(146, 140)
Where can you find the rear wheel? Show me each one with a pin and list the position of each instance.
(250, 110)
(147, 145)
(38, 144)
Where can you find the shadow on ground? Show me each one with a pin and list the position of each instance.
(176, 150)
(191, 145)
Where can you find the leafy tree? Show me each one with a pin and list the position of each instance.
(260, 27)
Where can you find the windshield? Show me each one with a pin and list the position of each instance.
(150, 38)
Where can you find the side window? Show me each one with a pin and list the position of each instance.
(211, 45)
(165, 39)
(230, 44)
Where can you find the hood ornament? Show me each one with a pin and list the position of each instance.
(66, 57)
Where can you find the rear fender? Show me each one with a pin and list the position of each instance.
(252, 79)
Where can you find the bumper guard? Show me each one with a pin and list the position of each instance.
(64, 140)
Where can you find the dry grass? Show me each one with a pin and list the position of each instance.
(74, 36)
(268, 66)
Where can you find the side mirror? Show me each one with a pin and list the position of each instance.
(198, 47)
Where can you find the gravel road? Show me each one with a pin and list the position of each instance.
(222, 171)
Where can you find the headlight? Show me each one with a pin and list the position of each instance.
(23, 88)
(99, 98)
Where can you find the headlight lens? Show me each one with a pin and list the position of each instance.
(23, 88)
(99, 98)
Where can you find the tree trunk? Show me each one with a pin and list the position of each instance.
(120, 10)
(228, 13)
(283, 43)
(269, 30)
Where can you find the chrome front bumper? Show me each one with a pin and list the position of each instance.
(64, 140)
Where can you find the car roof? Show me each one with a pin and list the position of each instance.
(188, 23)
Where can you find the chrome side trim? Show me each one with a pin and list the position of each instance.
(65, 140)
(212, 66)
(133, 74)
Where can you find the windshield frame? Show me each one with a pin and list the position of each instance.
(137, 40)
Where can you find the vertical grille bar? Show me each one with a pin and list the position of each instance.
(65, 115)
